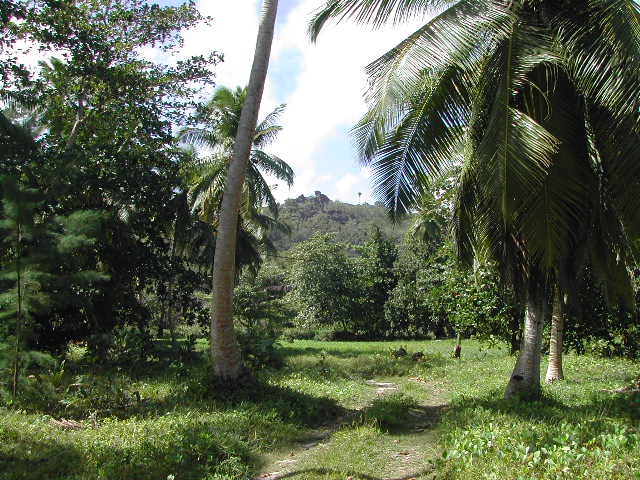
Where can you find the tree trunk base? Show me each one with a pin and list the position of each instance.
(518, 388)
(525, 379)
(245, 380)
(556, 377)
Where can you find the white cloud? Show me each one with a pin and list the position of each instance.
(233, 33)
(328, 95)
(354, 187)
(328, 98)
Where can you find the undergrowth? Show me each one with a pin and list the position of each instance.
(163, 420)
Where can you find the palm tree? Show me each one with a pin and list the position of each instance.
(224, 346)
(543, 99)
(205, 178)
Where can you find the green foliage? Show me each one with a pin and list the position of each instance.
(408, 310)
(599, 326)
(100, 138)
(322, 282)
(351, 224)
(476, 303)
(391, 411)
(260, 314)
(542, 452)
(290, 334)
(205, 179)
(33, 365)
(375, 279)
(44, 267)
(258, 301)
(127, 346)
(177, 428)
(485, 436)
(359, 360)
(382, 291)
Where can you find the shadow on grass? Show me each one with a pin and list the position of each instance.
(111, 395)
(549, 409)
(194, 450)
(350, 473)
(394, 415)
(29, 459)
(292, 406)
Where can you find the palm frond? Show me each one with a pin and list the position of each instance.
(618, 145)
(260, 193)
(425, 139)
(457, 37)
(372, 12)
(598, 43)
(273, 166)
(199, 137)
(267, 130)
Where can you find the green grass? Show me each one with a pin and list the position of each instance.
(161, 422)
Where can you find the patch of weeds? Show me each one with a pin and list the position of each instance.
(350, 452)
(572, 432)
(392, 411)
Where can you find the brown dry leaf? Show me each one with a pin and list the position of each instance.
(68, 424)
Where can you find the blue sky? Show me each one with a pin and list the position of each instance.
(322, 85)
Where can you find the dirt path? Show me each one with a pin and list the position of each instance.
(407, 449)
(417, 442)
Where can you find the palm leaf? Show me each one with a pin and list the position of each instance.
(372, 12)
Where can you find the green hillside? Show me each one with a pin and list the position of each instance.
(318, 213)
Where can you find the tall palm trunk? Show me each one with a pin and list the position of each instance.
(224, 346)
(16, 353)
(554, 370)
(525, 379)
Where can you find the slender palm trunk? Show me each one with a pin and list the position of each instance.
(224, 346)
(554, 370)
(525, 379)
(515, 325)
(16, 353)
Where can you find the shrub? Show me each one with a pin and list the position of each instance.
(391, 411)
(260, 350)
(298, 333)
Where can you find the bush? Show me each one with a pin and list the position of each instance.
(126, 345)
(101, 396)
(391, 411)
(260, 350)
(298, 333)
(36, 381)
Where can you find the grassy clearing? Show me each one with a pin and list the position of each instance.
(574, 432)
(161, 423)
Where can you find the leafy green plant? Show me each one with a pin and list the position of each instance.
(260, 350)
(390, 411)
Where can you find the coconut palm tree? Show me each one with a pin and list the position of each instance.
(205, 179)
(225, 351)
(543, 98)
(224, 346)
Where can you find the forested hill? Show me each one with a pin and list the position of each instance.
(318, 213)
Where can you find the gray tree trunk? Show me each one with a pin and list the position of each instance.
(525, 379)
(224, 345)
(554, 370)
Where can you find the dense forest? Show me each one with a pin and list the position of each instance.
(165, 315)
(306, 215)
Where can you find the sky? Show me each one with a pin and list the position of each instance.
(322, 84)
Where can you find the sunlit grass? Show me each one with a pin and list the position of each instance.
(163, 421)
